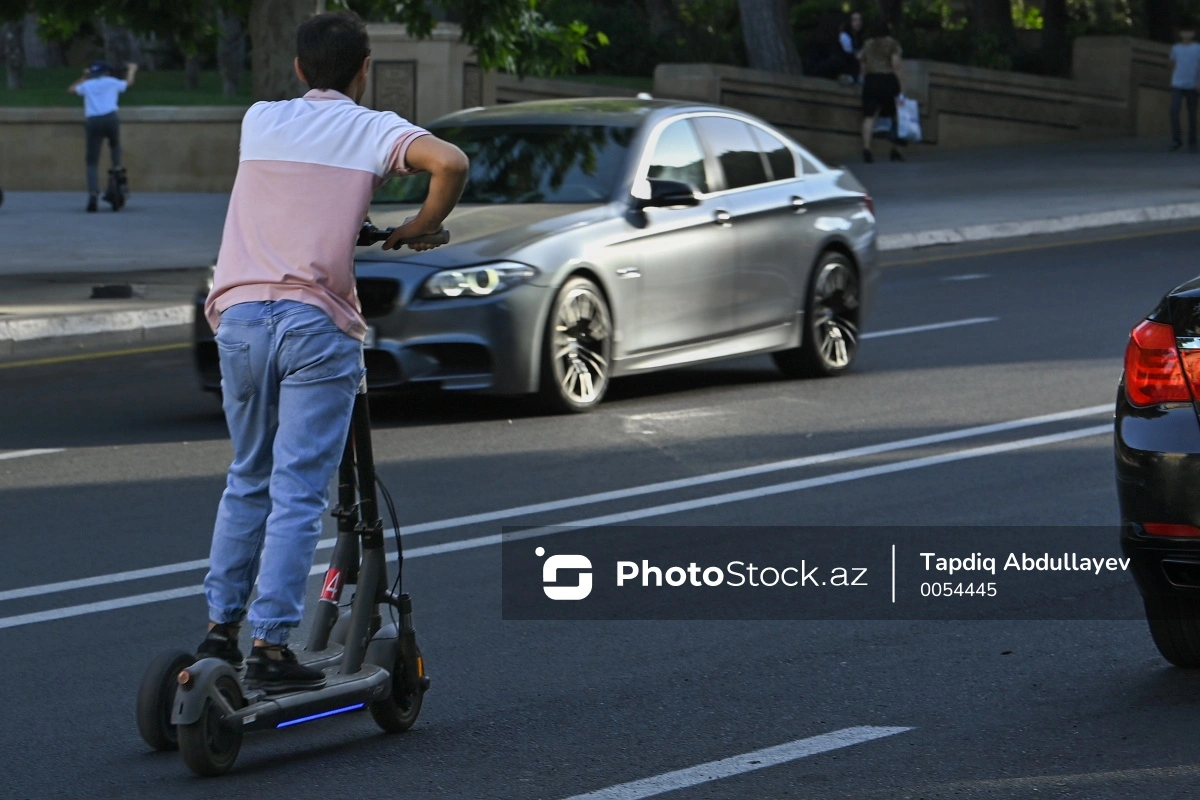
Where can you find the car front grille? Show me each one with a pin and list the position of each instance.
(378, 296)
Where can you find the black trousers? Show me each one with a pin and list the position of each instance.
(1177, 98)
(99, 128)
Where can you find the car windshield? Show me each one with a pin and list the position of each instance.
(528, 164)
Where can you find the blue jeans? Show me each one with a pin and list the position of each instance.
(288, 380)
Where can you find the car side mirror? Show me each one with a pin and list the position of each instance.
(668, 194)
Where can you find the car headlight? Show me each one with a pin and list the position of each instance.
(481, 281)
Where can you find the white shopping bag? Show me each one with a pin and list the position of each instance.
(908, 117)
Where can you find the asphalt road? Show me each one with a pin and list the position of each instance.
(1019, 709)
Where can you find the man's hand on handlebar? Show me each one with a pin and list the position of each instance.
(368, 235)
(411, 229)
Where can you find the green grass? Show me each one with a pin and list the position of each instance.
(48, 87)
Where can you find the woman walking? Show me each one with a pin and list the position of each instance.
(883, 83)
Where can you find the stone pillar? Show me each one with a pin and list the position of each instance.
(422, 80)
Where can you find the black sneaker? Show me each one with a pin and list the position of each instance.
(280, 674)
(868, 157)
(221, 642)
(91, 206)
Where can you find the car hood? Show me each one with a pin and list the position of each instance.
(481, 233)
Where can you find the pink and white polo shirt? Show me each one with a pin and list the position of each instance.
(307, 170)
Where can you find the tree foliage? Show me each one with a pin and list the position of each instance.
(510, 35)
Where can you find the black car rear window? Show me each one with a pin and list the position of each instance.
(528, 164)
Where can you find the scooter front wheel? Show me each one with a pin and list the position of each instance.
(209, 746)
(155, 696)
(399, 711)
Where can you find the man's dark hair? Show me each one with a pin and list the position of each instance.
(331, 49)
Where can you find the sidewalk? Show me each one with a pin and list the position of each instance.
(52, 254)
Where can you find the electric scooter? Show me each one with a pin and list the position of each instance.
(203, 708)
(117, 191)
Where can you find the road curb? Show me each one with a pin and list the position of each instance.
(1037, 227)
(64, 333)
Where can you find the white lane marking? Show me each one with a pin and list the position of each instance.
(603, 497)
(607, 519)
(936, 326)
(753, 494)
(654, 416)
(104, 580)
(683, 413)
(738, 765)
(25, 453)
(970, 276)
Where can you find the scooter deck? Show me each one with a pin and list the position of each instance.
(341, 693)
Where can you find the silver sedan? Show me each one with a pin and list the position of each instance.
(605, 237)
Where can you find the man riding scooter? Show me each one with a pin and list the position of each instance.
(289, 329)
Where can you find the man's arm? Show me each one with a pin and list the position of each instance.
(72, 88)
(447, 167)
(130, 74)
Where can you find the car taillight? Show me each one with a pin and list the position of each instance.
(870, 201)
(1152, 366)
(1167, 529)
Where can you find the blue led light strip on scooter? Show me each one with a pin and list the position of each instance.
(311, 717)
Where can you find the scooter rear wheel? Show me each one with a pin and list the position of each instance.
(400, 710)
(208, 746)
(155, 696)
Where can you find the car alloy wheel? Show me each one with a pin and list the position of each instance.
(829, 342)
(579, 348)
(834, 311)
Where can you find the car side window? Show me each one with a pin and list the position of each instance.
(779, 155)
(678, 156)
(736, 151)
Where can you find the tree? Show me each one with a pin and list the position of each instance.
(1055, 42)
(510, 35)
(14, 53)
(272, 28)
(994, 17)
(1158, 20)
(231, 50)
(770, 44)
(662, 15)
(891, 10)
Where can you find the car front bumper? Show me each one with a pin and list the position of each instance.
(490, 343)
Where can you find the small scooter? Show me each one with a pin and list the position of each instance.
(117, 191)
(203, 708)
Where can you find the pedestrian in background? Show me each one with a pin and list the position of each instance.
(100, 90)
(883, 83)
(851, 41)
(1185, 61)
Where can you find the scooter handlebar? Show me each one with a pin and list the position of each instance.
(370, 235)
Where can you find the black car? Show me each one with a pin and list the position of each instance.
(1157, 441)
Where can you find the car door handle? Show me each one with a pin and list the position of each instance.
(723, 218)
(798, 204)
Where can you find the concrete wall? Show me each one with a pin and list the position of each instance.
(1118, 89)
(508, 89)
(175, 149)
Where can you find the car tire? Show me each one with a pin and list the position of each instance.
(829, 342)
(1175, 627)
(576, 349)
